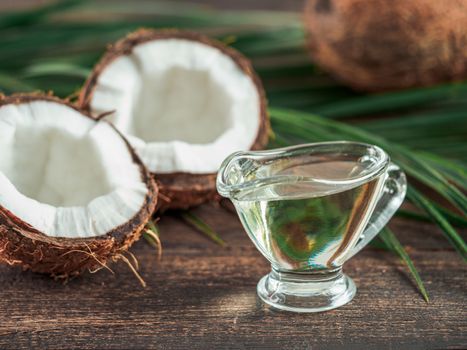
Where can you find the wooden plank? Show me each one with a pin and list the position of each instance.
(203, 296)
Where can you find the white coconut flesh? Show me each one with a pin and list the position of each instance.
(184, 105)
(63, 173)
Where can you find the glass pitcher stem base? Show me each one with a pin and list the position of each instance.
(306, 292)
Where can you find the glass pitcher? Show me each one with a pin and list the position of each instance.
(308, 209)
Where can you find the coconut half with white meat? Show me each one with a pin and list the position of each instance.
(185, 102)
(73, 193)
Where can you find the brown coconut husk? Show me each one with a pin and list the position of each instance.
(181, 190)
(386, 45)
(23, 245)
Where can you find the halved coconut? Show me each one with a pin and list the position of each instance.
(185, 102)
(73, 194)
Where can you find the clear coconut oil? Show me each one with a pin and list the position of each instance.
(309, 224)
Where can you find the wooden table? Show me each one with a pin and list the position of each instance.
(202, 296)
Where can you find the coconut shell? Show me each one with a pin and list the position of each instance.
(181, 190)
(23, 245)
(385, 45)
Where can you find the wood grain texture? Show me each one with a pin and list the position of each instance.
(201, 296)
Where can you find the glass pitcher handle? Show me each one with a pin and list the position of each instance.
(390, 200)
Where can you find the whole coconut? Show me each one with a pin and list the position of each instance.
(377, 45)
